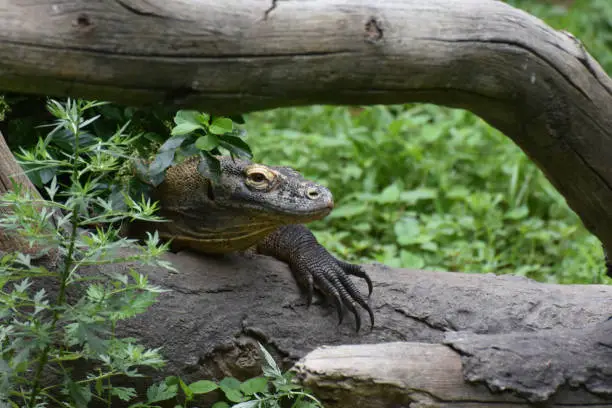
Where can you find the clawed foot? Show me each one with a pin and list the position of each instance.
(314, 267)
(318, 269)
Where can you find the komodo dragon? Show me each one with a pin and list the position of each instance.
(253, 205)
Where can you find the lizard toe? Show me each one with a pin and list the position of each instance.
(356, 270)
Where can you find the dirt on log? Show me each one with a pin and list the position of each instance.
(218, 307)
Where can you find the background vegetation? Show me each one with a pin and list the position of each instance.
(429, 187)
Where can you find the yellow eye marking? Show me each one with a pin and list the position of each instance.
(260, 177)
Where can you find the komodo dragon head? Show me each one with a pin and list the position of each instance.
(247, 203)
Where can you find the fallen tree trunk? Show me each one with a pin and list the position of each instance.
(430, 375)
(538, 86)
(531, 339)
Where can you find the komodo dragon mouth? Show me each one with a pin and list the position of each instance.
(253, 205)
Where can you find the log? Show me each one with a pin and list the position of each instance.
(413, 375)
(538, 86)
(219, 307)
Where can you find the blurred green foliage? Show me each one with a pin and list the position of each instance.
(429, 187)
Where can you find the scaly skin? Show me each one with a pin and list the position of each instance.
(258, 206)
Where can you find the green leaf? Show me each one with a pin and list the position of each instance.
(232, 394)
(86, 332)
(190, 116)
(431, 133)
(161, 392)
(418, 194)
(123, 393)
(210, 167)
(172, 380)
(411, 260)
(162, 161)
(230, 383)
(429, 246)
(231, 388)
(46, 175)
(287, 387)
(407, 230)
(348, 210)
(391, 194)
(517, 213)
(203, 386)
(172, 144)
(458, 192)
(188, 392)
(220, 404)
(270, 368)
(99, 387)
(80, 394)
(95, 292)
(254, 385)
(207, 142)
(236, 146)
(221, 126)
(185, 128)
(203, 118)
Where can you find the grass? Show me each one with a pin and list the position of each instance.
(423, 186)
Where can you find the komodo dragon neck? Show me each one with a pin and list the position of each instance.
(262, 206)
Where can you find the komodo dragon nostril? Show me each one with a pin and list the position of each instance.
(312, 193)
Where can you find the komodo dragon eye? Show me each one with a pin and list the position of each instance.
(260, 178)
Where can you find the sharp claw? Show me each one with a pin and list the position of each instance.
(309, 298)
(369, 282)
(339, 310)
(357, 270)
(371, 313)
(357, 320)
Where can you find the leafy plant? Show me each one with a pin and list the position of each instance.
(45, 333)
(273, 390)
(196, 133)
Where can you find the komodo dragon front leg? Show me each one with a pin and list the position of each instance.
(252, 205)
(313, 266)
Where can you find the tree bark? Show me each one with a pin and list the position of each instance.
(427, 375)
(538, 86)
(533, 341)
